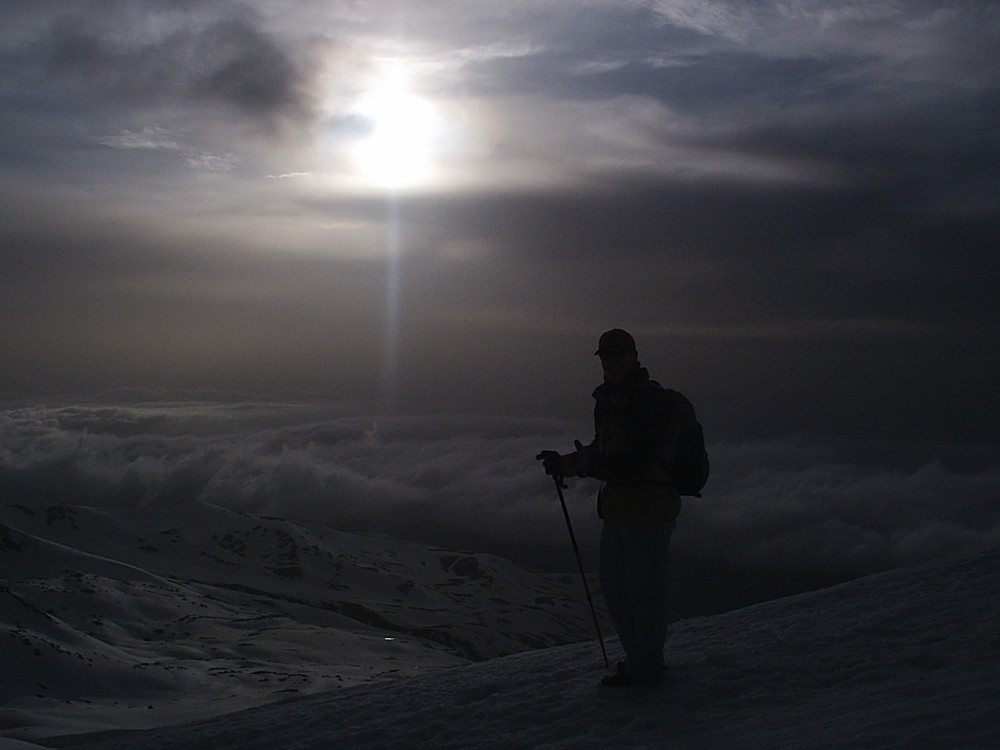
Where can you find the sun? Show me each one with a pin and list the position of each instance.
(397, 146)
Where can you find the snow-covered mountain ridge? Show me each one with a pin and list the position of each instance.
(134, 617)
(904, 659)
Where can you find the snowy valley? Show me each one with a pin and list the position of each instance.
(146, 628)
(137, 617)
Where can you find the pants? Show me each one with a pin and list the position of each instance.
(633, 570)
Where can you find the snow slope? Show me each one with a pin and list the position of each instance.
(904, 659)
(144, 616)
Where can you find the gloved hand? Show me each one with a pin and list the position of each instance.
(551, 462)
(569, 465)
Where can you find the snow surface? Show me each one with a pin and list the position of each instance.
(139, 617)
(904, 659)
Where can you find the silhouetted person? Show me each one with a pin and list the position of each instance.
(635, 424)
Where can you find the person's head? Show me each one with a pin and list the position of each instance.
(618, 354)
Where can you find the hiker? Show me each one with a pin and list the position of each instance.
(635, 425)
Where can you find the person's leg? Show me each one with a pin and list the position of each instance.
(646, 546)
(614, 582)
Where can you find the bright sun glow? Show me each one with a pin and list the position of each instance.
(398, 149)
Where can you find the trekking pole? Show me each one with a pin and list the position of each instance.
(579, 562)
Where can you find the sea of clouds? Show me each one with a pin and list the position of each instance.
(778, 516)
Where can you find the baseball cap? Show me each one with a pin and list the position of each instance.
(615, 339)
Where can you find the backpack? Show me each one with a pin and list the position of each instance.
(689, 467)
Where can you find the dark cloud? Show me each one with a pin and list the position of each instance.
(778, 515)
(230, 63)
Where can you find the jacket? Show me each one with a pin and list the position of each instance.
(633, 422)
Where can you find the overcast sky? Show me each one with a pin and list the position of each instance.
(439, 206)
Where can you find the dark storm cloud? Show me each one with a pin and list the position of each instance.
(230, 62)
(748, 255)
(777, 516)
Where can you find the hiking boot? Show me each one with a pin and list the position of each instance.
(619, 679)
(622, 667)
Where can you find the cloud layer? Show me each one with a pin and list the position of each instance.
(777, 516)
